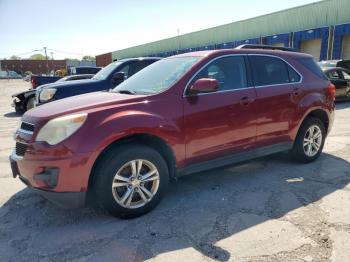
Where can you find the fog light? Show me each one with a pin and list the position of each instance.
(49, 176)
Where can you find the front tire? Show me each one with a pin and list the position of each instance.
(130, 180)
(310, 140)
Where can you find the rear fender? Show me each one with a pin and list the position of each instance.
(311, 102)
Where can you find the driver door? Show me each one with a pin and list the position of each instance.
(222, 122)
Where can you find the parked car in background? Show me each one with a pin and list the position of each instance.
(335, 63)
(41, 80)
(27, 78)
(106, 79)
(3, 75)
(9, 75)
(24, 101)
(83, 70)
(340, 77)
(181, 115)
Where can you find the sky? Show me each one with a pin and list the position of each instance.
(84, 27)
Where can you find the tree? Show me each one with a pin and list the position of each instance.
(37, 57)
(71, 59)
(88, 58)
(14, 57)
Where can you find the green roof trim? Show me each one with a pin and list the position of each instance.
(324, 13)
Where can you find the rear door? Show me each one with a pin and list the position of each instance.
(278, 93)
(222, 122)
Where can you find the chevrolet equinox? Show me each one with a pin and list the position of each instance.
(183, 114)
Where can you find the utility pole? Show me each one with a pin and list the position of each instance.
(47, 61)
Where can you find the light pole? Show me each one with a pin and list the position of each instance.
(47, 61)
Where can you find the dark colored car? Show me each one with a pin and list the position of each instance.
(106, 79)
(340, 77)
(181, 115)
(335, 63)
(82, 70)
(24, 101)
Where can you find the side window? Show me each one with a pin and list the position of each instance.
(346, 75)
(333, 75)
(293, 76)
(229, 71)
(125, 69)
(269, 70)
(137, 66)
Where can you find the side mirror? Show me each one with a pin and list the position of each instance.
(118, 77)
(204, 85)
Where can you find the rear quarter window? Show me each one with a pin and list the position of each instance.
(268, 70)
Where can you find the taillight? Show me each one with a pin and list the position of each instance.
(331, 90)
(33, 80)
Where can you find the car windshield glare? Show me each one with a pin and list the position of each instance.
(157, 77)
(106, 71)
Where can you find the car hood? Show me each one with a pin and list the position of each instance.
(67, 84)
(82, 103)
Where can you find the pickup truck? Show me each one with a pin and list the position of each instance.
(24, 101)
(41, 80)
(106, 79)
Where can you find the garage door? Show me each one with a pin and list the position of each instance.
(346, 47)
(312, 47)
(279, 44)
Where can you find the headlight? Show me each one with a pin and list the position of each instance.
(60, 128)
(47, 94)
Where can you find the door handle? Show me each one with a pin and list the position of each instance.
(246, 101)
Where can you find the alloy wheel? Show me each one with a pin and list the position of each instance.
(312, 141)
(135, 183)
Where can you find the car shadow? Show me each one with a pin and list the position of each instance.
(202, 213)
(12, 115)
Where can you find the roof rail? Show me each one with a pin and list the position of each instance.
(250, 46)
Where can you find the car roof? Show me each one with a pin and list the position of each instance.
(139, 59)
(328, 69)
(243, 51)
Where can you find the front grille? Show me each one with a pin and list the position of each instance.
(27, 127)
(20, 149)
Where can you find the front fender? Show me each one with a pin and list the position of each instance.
(24, 95)
(102, 132)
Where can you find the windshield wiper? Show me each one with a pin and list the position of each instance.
(128, 92)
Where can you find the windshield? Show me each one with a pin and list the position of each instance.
(157, 77)
(106, 71)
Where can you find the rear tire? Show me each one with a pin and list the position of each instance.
(310, 140)
(130, 180)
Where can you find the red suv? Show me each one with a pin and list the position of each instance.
(181, 115)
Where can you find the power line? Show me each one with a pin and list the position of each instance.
(26, 53)
(42, 50)
(60, 51)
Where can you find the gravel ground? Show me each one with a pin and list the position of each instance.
(269, 209)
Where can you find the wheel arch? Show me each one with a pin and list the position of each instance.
(155, 142)
(316, 113)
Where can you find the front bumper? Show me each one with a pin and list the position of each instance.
(68, 200)
(62, 179)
